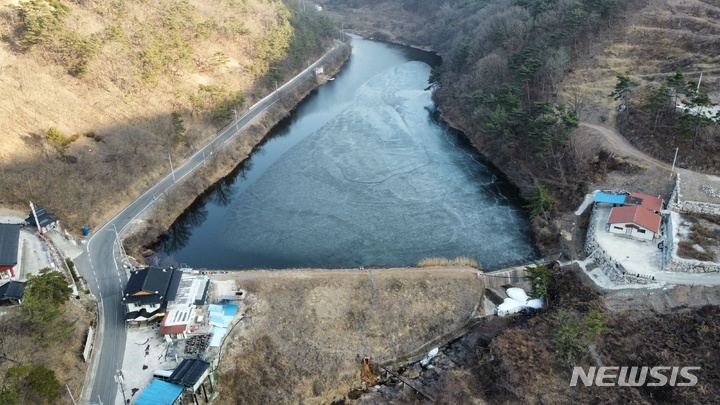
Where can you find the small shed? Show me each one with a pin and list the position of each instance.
(11, 293)
(45, 220)
(160, 393)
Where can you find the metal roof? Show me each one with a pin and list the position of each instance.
(9, 237)
(44, 218)
(610, 198)
(159, 393)
(648, 202)
(11, 290)
(150, 280)
(189, 372)
(637, 215)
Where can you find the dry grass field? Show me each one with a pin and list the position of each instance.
(301, 335)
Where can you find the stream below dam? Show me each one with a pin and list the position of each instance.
(363, 173)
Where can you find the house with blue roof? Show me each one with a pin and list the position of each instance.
(160, 393)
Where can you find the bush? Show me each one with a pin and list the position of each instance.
(40, 19)
(573, 335)
(92, 135)
(57, 136)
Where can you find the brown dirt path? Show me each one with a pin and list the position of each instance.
(619, 145)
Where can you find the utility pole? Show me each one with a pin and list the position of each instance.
(699, 81)
(172, 170)
(71, 395)
(236, 120)
(37, 223)
(673, 165)
(121, 384)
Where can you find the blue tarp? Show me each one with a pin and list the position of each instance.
(220, 317)
(230, 309)
(610, 198)
(217, 336)
(159, 393)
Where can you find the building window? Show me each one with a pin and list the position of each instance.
(641, 230)
(618, 227)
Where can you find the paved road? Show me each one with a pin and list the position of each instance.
(98, 264)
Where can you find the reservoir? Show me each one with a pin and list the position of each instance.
(362, 173)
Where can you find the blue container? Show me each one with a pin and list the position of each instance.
(86, 231)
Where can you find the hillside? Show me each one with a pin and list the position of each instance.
(502, 58)
(99, 94)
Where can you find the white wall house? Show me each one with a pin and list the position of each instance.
(632, 230)
(634, 221)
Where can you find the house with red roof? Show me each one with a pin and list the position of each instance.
(636, 221)
(649, 202)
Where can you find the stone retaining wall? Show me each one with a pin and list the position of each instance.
(692, 266)
(676, 204)
(697, 207)
(611, 267)
(675, 263)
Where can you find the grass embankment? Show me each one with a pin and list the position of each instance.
(302, 336)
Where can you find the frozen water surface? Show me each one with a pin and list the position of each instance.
(378, 184)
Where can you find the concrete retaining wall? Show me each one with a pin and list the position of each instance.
(675, 196)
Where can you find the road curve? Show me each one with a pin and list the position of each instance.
(99, 266)
(621, 146)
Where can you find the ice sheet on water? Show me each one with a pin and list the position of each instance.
(380, 184)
